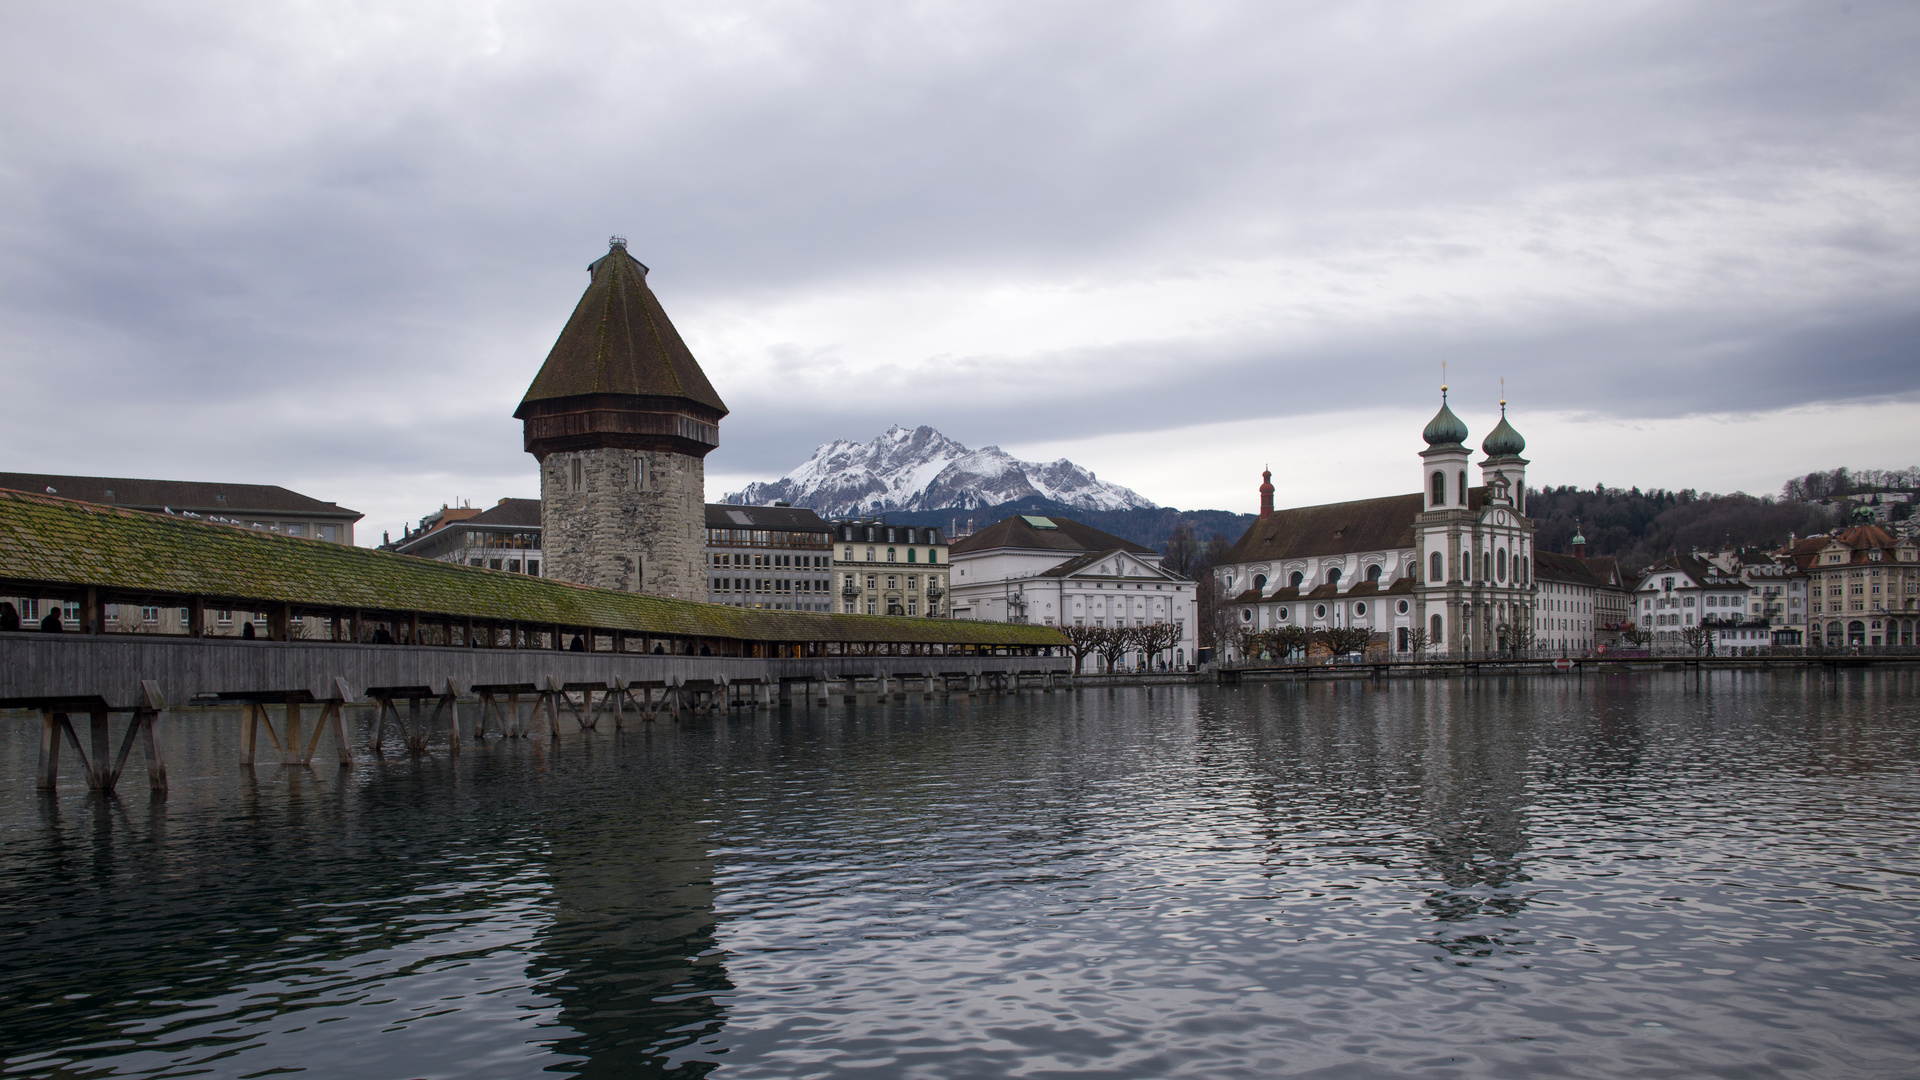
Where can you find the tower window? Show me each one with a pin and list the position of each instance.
(576, 474)
(1463, 487)
(1439, 489)
(639, 478)
(1438, 571)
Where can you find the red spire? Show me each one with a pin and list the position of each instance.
(1266, 493)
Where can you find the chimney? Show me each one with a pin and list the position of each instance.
(1266, 493)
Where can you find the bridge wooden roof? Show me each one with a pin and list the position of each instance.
(52, 544)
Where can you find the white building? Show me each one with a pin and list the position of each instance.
(1683, 591)
(1452, 559)
(1055, 571)
(1565, 604)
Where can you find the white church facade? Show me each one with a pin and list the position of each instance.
(1452, 560)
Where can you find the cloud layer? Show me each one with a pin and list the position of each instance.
(328, 245)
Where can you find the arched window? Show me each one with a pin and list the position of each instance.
(1437, 572)
(890, 555)
(1333, 576)
(1406, 640)
(1463, 487)
(1433, 633)
(1500, 564)
(910, 555)
(1439, 489)
(1260, 582)
(1373, 572)
(1296, 578)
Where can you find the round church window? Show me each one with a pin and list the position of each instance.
(1401, 607)
(1320, 612)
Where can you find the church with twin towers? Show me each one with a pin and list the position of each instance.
(1449, 565)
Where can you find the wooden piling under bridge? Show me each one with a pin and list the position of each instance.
(414, 639)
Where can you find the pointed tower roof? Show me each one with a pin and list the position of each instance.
(619, 341)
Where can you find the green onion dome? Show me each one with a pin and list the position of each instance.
(1503, 441)
(1445, 429)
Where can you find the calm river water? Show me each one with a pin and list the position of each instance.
(1639, 876)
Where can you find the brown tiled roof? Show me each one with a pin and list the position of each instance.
(788, 518)
(619, 341)
(1564, 569)
(509, 513)
(1066, 535)
(200, 497)
(1334, 529)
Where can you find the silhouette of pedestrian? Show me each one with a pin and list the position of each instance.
(52, 624)
(246, 630)
(577, 645)
(9, 617)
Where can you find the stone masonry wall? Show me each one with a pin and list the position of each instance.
(601, 529)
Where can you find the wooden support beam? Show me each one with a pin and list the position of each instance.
(247, 729)
(152, 705)
(49, 774)
(292, 753)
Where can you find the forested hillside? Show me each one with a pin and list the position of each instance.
(1640, 526)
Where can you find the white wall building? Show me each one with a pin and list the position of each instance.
(1058, 572)
(1683, 591)
(1565, 604)
(1452, 559)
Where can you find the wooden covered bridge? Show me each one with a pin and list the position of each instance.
(347, 625)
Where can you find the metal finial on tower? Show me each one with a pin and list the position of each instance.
(616, 241)
(1503, 395)
(1443, 382)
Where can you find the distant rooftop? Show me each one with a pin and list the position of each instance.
(198, 496)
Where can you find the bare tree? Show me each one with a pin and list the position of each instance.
(1156, 638)
(1183, 551)
(1520, 636)
(1696, 638)
(1082, 641)
(1418, 642)
(1287, 640)
(1633, 635)
(1341, 640)
(1113, 643)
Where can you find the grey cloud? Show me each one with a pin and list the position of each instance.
(334, 248)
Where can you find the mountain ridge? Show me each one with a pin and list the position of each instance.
(904, 470)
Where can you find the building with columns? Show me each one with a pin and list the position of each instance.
(621, 419)
(1453, 559)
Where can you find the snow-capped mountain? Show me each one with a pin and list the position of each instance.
(922, 469)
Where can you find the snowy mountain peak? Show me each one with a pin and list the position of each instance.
(921, 469)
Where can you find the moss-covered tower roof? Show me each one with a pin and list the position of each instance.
(619, 375)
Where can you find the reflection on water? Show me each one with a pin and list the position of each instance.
(1629, 876)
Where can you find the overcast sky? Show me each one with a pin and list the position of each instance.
(328, 245)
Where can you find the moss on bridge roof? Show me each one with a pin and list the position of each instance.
(54, 542)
